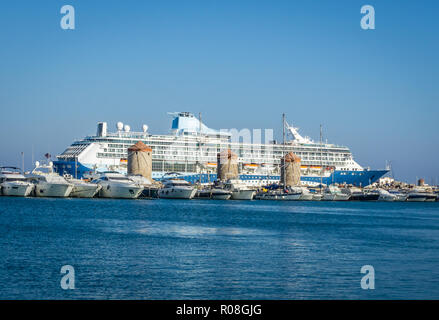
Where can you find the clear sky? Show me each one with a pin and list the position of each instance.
(240, 63)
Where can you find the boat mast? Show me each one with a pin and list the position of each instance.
(22, 162)
(199, 147)
(283, 150)
(321, 159)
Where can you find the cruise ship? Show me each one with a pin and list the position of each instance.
(190, 152)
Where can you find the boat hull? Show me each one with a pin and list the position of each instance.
(355, 178)
(53, 190)
(12, 189)
(243, 194)
(120, 192)
(177, 193)
(85, 191)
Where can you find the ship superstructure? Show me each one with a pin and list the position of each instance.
(191, 149)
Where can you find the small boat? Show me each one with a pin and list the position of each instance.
(48, 183)
(239, 190)
(177, 189)
(117, 185)
(81, 188)
(333, 193)
(13, 183)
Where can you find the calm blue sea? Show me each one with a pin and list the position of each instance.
(200, 249)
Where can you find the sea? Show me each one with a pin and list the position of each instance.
(207, 249)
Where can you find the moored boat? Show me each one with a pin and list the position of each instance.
(48, 183)
(13, 183)
(177, 189)
(119, 186)
(239, 190)
(81, 188)
(333, 193)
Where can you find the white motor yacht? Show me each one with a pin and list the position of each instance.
(386, 195)
(118, 186)
(81, 188)
(333, 193)
(239, 190)
(13, 183)
(48, 183)
(177, 189)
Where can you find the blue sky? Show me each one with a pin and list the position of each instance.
(240, 63)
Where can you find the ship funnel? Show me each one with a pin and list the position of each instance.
(102, 129)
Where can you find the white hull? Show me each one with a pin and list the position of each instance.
(401, 197)
(416, 199)
(85, 191)
(177, 193)
(317, 197)
(45, 189)
(120, 191)
(342, 197)
(328, 197)
(306, 197)
(243, 194)
(280, 196)
(220, 195)
(17, 189)
(387, 198)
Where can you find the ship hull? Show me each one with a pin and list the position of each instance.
(355, 178)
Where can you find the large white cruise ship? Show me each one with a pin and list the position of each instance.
(191, 149)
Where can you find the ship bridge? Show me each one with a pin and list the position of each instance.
(185, 123)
